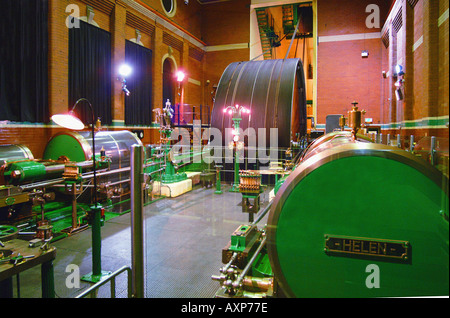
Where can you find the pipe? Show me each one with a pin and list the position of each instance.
(159, 170)
(232, 259)
(152, 164)
(105, 173)
(433, 150)
(137, 237)
(116, 183)
(41, 184)
(74, 206)
(263, 213)
(262, 284)
(411, 143)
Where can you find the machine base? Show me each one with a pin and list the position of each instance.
(174, 189)
(234, 187)
(91, 278)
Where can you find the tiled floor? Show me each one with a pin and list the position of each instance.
(184, 237)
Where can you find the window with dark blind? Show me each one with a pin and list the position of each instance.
(23, 60)
(90, 71)
(138, 106)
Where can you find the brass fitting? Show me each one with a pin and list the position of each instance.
(355, 119)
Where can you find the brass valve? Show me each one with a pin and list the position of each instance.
(355, 118)
(342, 122)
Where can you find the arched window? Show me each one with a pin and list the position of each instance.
(168, 82)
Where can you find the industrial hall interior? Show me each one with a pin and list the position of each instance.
(224, 149)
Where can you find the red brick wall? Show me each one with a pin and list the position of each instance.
(33, 138)
(426, 86)
(224, 23)
(343, 76)
(111, 15)
(443, 57)
(188, 17)
(385, 98)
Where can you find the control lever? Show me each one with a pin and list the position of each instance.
(45, 246)
(15, 259)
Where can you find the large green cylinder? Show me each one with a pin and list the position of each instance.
(27, 170)
(32, 170)
(358, 219)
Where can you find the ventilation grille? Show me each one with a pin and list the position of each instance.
(140, 24)
(385, 38)
(172, 41)
(196, 53)
(104, 6)
(398, 21)
(413, 3)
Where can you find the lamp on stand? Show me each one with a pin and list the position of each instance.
(70, 121)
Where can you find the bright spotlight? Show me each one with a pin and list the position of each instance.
(399, 70)
(125, 70)
(180, 76)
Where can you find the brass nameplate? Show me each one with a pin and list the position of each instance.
(366, 246)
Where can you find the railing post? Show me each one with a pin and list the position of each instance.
(137, 228)
(209, 116)
(433, 150)
(411, 143)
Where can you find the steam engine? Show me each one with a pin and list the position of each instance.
(352, 219)
(65, 175)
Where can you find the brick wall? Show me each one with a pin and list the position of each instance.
(443, 58)
(416, 37)
(224, 23)
(343, 76)
(35, 138)
(424, 56)
(121, 20)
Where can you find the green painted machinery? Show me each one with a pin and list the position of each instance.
(358, 219)
(353, 219)
(32, 170)
(169, 175)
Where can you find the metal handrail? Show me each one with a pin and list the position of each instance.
(113, 284)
